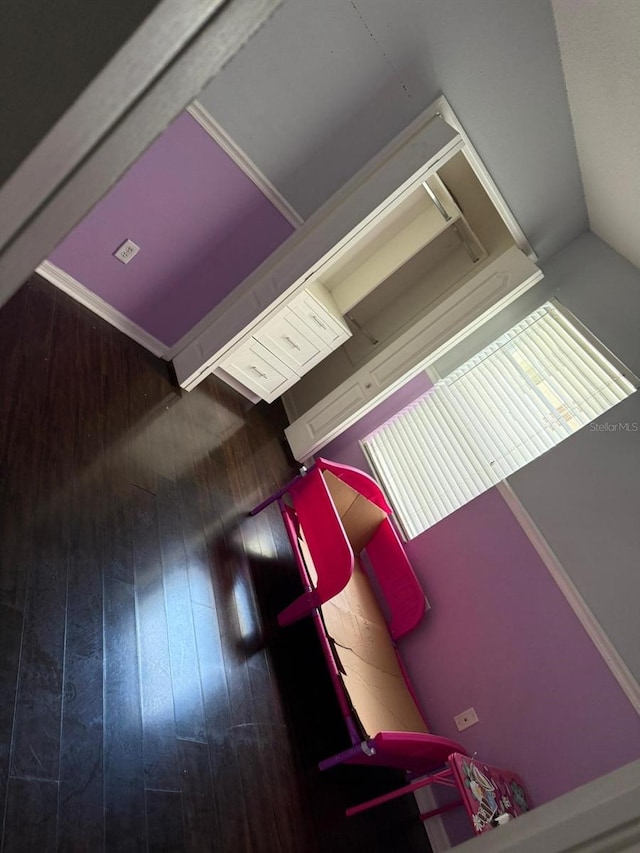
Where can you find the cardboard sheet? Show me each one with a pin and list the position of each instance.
(380, 699)
(360, 518)
(371, 672)
(355, 620)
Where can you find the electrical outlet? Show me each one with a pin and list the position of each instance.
(126, 252)
(465, 719)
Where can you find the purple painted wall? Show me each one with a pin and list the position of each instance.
(501, 638)
(201, 223)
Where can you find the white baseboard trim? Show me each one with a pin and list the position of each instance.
(107, 312)
(217, 133)
(594, 629)
(434, 827)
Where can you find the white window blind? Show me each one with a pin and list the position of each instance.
(534, 386)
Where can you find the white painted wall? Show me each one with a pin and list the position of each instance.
(600, 45)
(584, 495)
(325, 85)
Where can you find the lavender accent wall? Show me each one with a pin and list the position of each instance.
(201, 223)
(501, 638)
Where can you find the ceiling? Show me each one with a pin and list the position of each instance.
(600, 49)
(324, 86)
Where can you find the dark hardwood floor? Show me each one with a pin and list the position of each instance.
(148, 701)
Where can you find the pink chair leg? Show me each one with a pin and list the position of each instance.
(441, 810)
(442, 778)
(276, 495)
(298, 609)
(353, 752)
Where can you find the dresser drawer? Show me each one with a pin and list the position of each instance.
(259, 369)
(292, 341)
(316, 317)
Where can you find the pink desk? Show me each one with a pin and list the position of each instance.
(486, 792)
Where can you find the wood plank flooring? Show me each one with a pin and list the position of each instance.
(148, 701)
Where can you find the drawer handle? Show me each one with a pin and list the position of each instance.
(259, 372)
(291, 343)
(319, 322)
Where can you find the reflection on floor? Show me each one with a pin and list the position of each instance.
(147, 700)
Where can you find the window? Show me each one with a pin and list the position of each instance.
(534, 386)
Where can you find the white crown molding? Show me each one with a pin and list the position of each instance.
(594, 629)
(94, 303)
(219, 135)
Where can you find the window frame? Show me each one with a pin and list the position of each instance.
(435, 377)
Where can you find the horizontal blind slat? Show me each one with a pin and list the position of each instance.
(517, 398)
